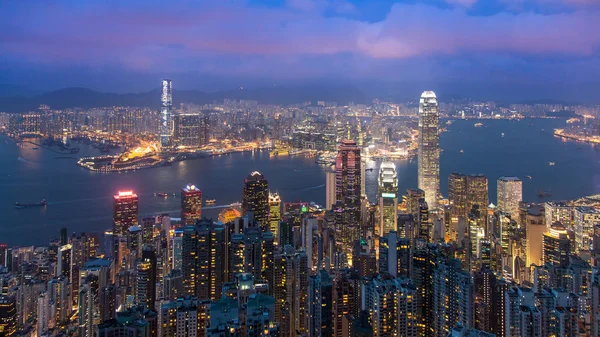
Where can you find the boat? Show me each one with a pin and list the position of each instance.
(42, 203)
(161, 194)
(502, 134)
(462, 151)
(210, 201)
(528, 177)
(236, 204)
(551, 163)
(478, 125)
(543, 194)
(449, 122)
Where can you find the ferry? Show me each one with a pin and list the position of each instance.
(210, 201)
(528, 177)
(551, 163)
(42, 203)
(478, 125)
(502, 134)
(236, 204)
(161, 194)
(462, 151)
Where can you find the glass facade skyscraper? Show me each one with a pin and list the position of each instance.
(166, 114)
(429, 148)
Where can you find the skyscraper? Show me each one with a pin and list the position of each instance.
(348, 192)
(557, 245)
(125, 212)
(166, 115)
(464, 191)
(388, 198)
(510, 194)
(255, 198)
(191, 205)
(429, 148)
(329, 189)
(274, 213)
(146, 279)
(8, 316)
(187, 130)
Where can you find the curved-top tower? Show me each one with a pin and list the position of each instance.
(429, 148)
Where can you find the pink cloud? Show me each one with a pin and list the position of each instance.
(168, 36)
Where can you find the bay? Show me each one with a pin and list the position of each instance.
(81, 200)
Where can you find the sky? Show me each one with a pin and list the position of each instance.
(539, 48)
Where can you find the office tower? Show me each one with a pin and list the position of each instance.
(320, 309)
(452, 297)
(64, 239)
(291, 291)
(203, 259)
(364, 260)
(166, 114)
(330, 196)
(424, 225)
(388, 198)
(585, 220)
(394, 255)
(255, 198)
(477, 194)
(173, 285)
(188, 130)
(413, 195)
(457, 194)
(8, 316)
(146, 279)
(534, 232)
(557, 245)
(135, 241)
(406, 226)
(558, 211)
(345, 301)
(274, 213)
(510, 194)
(476, 233)
(191, 205)
(429, 148)
(63, 264)
(464, 191)
(148, 230)
(125, 212)
(183, 317)
(348, 192)
(177, 250)
(392, 306)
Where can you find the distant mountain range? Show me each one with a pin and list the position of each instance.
(87, 98)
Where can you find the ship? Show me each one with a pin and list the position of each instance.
(543, 194)
(42, 203)
(161, 194)
(478, 125)
(210, 201)
(551, 163)
(462, 151)
(502, 134)
(236, 204)
(528, 177)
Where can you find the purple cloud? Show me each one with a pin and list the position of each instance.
(174, 36)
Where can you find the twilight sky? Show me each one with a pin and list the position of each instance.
(550, 48)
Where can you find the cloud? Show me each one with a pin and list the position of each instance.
(181, 36)
(462, 3)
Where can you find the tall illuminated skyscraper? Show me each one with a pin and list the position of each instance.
(464, 191)
(125, 212)
(348, 191)
(388, 198)
(429, 148)
(274, 213)
(166, 114)
(329, 189)
(191, 205)
(510, 194)
(255, 198)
